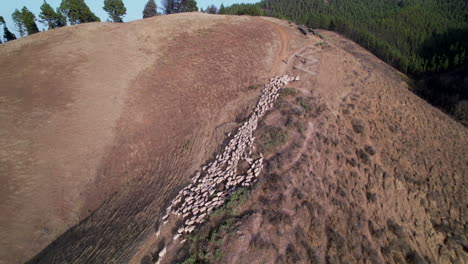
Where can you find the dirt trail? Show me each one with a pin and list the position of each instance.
(282, 54)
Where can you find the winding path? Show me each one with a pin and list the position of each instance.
(283, 50)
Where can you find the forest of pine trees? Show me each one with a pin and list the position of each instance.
(242, 9)
(427, 39)
(415, 36)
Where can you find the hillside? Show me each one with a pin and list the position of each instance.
(427, 39)
(116, 113)
(369, 173)
(105, 123)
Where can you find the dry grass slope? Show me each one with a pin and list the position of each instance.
(103, 122)
(376, 176)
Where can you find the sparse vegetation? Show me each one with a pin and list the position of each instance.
(255, 87)
(304, 104)
(273, 137)
(292, 256)
(205, 244)
(300, 128)
(319, 35)
(259, 243)
(277, 217)
(218, 254)
(321, 44)
(285, 92)
(370, 150)
(190, 260)
(358, 125)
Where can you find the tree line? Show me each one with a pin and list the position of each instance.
(427, 39)
(415, 36)
(72, 12)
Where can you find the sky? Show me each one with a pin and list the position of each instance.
(134, 8)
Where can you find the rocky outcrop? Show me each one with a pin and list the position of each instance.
(215, 181)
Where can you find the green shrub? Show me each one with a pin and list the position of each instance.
(304, 104)
(273, 137)
(255, 87)
(190, 260)
(205, 243)
(218, 253)
(288, 92)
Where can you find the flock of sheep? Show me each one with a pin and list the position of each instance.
(215, 181)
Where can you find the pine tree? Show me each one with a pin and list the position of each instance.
(60, 20)
(150, 9)
(77, 12)
(116, 9)
(6, 33)
(51, 18)
(47, 15)
(169, 6)
(17, 17)
(179, 6)
(25, 21)
(187, 6)
(29, 20)
(222, 9)
(212, 9)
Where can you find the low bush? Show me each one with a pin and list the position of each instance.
(273, 137)
(285, 92)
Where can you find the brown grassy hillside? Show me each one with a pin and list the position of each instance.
(103, 123)
(369, 173)
(115, 117)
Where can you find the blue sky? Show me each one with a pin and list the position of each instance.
(134, 8)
